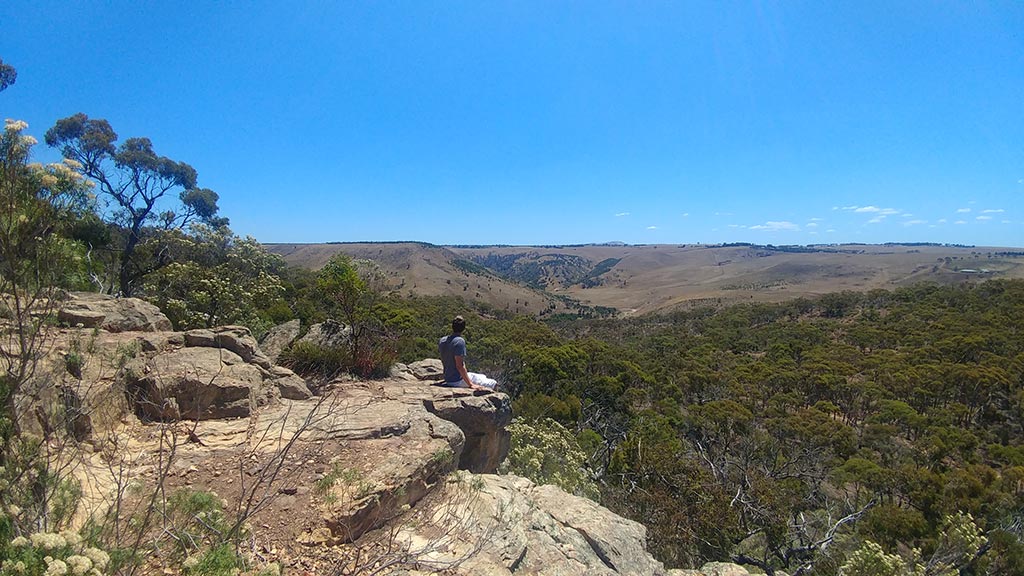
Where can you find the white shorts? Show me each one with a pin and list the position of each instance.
(475, 378)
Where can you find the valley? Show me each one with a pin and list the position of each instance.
(638, 279)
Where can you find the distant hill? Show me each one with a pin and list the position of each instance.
(425, 269)
(635, 279)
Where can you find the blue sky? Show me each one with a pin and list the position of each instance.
(556, 122)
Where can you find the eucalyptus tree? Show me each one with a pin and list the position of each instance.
(140, 186)
(7, 75)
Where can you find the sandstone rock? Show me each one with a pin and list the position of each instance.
(541, 530)
(237, 339)
(401, 372)
(481, 418)
(291, 386)
(417, 458)
(279, 337)
(112, 314)
(329, 334)
(429, 369)
(81, 317)
(196, 383)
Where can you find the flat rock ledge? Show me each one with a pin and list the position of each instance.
(92, 310)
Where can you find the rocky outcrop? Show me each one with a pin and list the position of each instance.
(194, 384)
(363, 456)
(279, 337)
(220, 373)
(528, 529)
(93, 310)
(482, 419)
(328, 334)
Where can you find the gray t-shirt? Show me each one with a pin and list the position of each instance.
(449, 347)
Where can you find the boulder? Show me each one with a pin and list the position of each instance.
(195, 383)
(328, 334)
(279, 337)
(112, 314)
(289, 384)
(429, 369)
(401, 371)
(237, 339)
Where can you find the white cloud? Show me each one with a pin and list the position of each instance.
(776, 226)
(854, 207)
(652, 227)
(812, 224)
(723, 213)
(983, 218)
(993, 211)
(621, 214)
(830, 231)
(876, 220)
(914, 222)
(686, 214)
(876, 210)
(960, 222)
(815, 219)
(906, 215)
(962, 210)
(835, 207)
(941, 220)
(1006, 221)
(813, 233)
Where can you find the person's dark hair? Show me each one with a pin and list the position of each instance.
(458, 324)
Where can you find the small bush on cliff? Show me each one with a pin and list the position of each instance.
(547, 453)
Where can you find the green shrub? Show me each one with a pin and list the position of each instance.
(312, 360)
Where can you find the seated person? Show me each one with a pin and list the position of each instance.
(452, 349)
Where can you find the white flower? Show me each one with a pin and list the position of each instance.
(99, 558)
(47, 540)
(19, 541)
(56, 568)
(72, 538)
(79, 564)
(16, 125)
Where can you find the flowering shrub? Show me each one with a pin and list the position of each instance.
(53, 554)
(960, 542)
(547, 453)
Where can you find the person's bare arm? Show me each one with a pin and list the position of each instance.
(460, 365)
